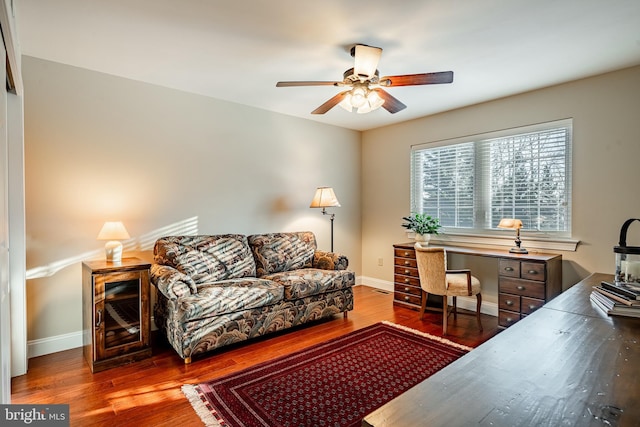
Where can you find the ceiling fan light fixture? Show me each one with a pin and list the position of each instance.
(374, 100)
(373, 103)
(358, 97)
(362, 100)
(346, 102)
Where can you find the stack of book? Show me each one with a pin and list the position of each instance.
(618, 299)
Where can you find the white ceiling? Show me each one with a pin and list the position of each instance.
(236, 50)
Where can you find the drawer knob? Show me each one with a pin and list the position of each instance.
(520, 288)
(406, 289)
(508, 269)
(532, 307)
(532, 272)
(407, 298)
(509, 302)
(406, 263)
(407, 280)
(406, 253)
(406, 272)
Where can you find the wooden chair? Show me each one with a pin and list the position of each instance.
(437, 280)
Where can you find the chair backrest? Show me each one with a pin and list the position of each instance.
(432, 267)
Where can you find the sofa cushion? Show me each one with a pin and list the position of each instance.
(207, 258)
(278, 252)
(311, 281)
(228, 296)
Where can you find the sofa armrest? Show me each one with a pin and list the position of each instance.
(170, 282)
(330, 261)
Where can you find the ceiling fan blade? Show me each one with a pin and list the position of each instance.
(309, 83)
(417, 79)
(391, 104)
(366, 60)
(330, 103)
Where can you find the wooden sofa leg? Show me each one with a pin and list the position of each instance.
(187, 360)
(345, 314)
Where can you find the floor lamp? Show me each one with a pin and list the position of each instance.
(325, 198)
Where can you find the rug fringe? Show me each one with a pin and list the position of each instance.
(424, 334)
(198, 405)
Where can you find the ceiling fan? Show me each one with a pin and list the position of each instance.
(366, 91)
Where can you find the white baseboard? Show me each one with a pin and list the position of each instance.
(467, 303)
(375, 283)
(57, 343)
(49, 345)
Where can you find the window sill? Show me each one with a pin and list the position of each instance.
(529, 242)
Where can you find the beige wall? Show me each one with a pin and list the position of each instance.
(606, 172)
(101, 148)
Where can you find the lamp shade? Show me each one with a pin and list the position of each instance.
(514, 224)
(511, 223)
(324, 198)
(113, 230)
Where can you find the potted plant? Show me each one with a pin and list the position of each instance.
(423, 225)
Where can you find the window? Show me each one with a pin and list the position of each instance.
(471, 183)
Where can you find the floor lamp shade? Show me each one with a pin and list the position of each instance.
(113, 231)
(324, 198)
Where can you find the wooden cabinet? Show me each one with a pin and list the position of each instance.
(116, 312)
(525, 281)
(524, 285)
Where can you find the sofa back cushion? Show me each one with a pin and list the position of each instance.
(207, 258)
(278, 252)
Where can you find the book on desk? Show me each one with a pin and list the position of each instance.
(615, 300)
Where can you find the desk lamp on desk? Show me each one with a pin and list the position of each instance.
(514, 224)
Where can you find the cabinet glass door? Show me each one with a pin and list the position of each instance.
(118, 312)
(122, 313)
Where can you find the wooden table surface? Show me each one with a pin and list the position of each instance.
(568, 363)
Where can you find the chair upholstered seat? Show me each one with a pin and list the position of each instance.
(457, 285)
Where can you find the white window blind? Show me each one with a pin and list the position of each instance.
(471, 183)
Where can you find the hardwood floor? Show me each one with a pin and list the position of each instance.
(147, 393)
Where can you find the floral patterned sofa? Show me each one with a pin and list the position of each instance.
(222, 289)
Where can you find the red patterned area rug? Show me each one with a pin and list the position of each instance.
(335, 383)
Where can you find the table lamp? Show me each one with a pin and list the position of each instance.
(325, 198)
(113, 231)
(514, 224)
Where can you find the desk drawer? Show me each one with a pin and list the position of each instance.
(404, 253)
(407, 289)
(507, 318)
(529, 305)
(525, 288)
(406, 262)
(406, 271)
(509, 302)
(509, 268)
(401, 280)
(532, 271)
(408, 298)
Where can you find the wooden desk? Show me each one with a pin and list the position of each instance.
(566, 364)
(525, 281)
